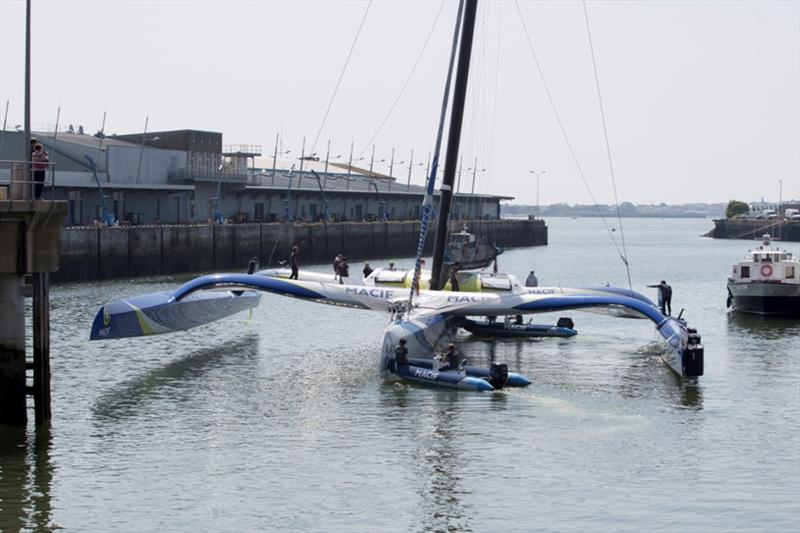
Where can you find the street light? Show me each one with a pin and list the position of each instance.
(538, 174)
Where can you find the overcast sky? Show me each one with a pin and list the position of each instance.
(702, 99)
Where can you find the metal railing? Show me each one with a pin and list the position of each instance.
(16, 187)
(241, 149)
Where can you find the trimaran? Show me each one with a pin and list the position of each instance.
(427, 319)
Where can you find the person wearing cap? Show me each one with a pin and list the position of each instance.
(532, 281)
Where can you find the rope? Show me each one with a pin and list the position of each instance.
(608, 145)
(341, 76)
(408, 79)
(564, 133)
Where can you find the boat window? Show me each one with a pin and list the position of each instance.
(766, 259)
(789, 272)
(745, 271)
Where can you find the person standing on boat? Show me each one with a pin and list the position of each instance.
(367, 270)
(336, 261)
(344, 270)
(532, 281)
(391, 266)
(664, 297)
(293, 262)
(252, 266)
(454, 285)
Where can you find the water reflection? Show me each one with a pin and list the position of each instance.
(648, 375)
(126, 399)
(26, 475)
(439, 465)
(754, 326)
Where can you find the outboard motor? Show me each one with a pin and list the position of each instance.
(693, 355)
(498, 375)
(565, 322)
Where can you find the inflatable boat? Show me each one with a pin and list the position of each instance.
(483, 328)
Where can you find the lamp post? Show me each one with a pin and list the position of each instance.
(780, 198)
(538, 174)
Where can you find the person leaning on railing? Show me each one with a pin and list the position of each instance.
(39, 159)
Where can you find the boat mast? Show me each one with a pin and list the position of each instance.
(427, 202)
(453, 141)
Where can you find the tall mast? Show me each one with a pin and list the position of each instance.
(453, 141)
(427, 202)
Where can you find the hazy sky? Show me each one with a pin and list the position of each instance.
(702, 99)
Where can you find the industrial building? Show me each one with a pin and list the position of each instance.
(190, 176)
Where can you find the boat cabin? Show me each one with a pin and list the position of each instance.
(767, 264)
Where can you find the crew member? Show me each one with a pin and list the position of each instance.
(401, 354)
(532, 281)
(454, 286)
(447, 360)
(391, 266)
(664, 297)
(293, 262)
(367, 270)
(252, 266)
(344, 270)
(336, 261)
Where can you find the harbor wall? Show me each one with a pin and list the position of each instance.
(89, 253)
(784, 230)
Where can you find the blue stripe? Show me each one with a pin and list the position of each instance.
(247, 281)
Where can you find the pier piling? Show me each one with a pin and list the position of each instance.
(29, 238)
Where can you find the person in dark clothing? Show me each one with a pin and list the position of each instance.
(293, 262)
(448, 358)
(664, 297)
(39, 161)
(401, 353)
(344, 270)
(336, 261)
(518, 320)
(367, 270)
(454, 286)
(252, 266)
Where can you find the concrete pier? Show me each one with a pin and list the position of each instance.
(29, 239)
(118, 252)
(780, 230)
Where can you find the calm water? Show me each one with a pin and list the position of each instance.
(281, 423)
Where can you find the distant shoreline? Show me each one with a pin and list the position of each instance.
(607, 215)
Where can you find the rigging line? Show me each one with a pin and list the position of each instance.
(341, 76)
(608, 145)
(405, 85)
(564, 132)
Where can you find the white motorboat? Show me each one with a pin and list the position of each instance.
(766, 282)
